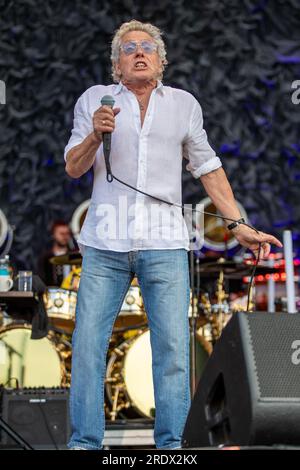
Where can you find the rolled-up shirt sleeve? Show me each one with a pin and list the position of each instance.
(196, 149)
(82, 125)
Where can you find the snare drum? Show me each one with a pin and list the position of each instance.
(26, 362)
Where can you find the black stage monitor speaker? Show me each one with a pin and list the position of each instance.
(40, 416)
(249, 393)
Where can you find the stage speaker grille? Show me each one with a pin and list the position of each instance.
(40, 416)
(249, 392)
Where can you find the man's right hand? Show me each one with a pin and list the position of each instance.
(104, 121)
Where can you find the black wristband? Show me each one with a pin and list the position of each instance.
(236, 223)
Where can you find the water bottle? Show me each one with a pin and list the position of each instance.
(6, 281)
(4, 266)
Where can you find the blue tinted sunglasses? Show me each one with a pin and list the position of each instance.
(130, 47)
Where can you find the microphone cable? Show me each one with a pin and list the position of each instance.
(108, 100)
(110, 177)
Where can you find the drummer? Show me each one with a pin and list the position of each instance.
(62, 243)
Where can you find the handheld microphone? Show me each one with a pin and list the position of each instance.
(107, 100)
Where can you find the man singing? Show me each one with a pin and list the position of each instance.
(153, 126)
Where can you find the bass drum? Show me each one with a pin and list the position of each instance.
(26, 362)
(129, 385)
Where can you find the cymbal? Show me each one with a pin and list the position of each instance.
(227, 266)
(72, 258)
(232, 269)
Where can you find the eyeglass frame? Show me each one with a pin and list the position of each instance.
(139, 44)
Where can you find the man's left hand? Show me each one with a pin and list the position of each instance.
(250, 239)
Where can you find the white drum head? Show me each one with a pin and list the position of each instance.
(34, 363)
(138, 375)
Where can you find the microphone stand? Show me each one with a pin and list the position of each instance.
(193, 322)
(192, 328)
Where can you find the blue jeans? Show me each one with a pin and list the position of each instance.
(164, 280)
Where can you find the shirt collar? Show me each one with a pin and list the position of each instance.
(119, 87)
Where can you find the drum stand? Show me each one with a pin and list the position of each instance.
(14, 435)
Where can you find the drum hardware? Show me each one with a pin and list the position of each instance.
(220, 310)
(118, 404)
(204, 303)
(204, 337)
(116, 409)
(239, 304)
(251, 298)
(218, 313)
(130, 299)
(59, 331)
(61, 347)
(58, 302)
(63, 344)
(204, 309)
(200, 314)
(127, 322)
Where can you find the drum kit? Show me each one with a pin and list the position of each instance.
(128, 382)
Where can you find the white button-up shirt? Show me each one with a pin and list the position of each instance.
(148, 157)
